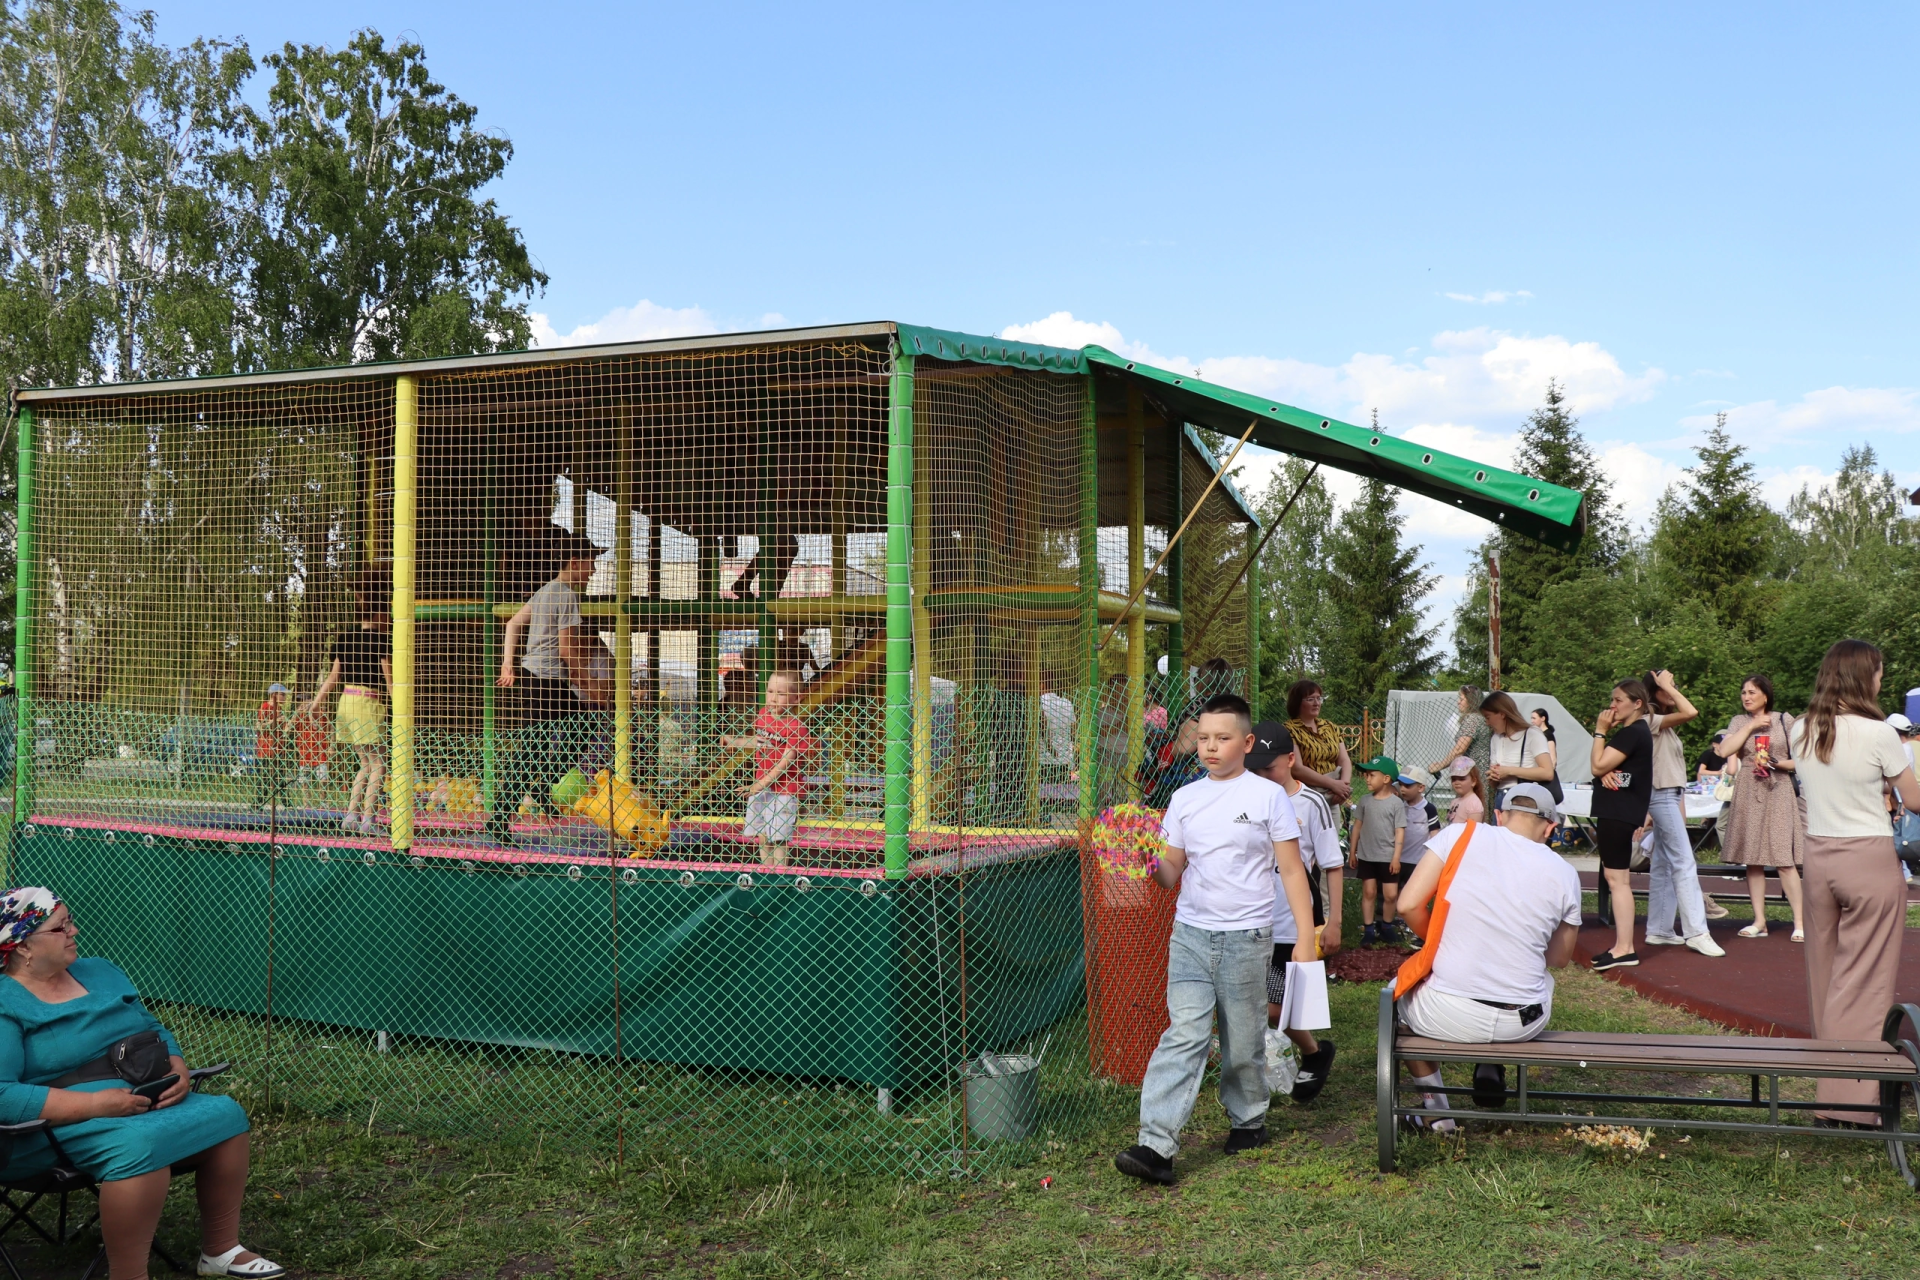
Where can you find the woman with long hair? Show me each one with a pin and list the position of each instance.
(1676, 909)
(1622, 764)
(1856, 897)
(1517, 749)
(1544, 723)
(1472, 739)
(1763, 827)
(1321, 761)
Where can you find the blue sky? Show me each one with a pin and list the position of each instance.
(1422, 210)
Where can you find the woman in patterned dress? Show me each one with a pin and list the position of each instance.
(1764, 825)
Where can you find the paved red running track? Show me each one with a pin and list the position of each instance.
(1759, 986)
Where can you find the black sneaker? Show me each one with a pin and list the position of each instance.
(1607, 960)
(1369, 936)
(1313, 1072)
(1146, 1164)
(1489, 1086)
(1239, 1140)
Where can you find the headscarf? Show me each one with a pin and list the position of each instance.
(21, 912)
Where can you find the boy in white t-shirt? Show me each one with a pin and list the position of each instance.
(1226, 834)
(1273, 758)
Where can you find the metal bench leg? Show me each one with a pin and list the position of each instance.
(1890, 1090)
(1386, 1068)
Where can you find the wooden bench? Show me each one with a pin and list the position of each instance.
(1893, 1061)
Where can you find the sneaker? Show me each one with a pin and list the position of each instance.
(1715, 911)
(1705, 945)
(1146, 1164)
(1407, 936)
(1369, 936)
(1665, 940)
(1314, 1068)
(1247, 1139)
(1489, 1086)
(1607, 960)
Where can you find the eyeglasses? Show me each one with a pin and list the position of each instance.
(68, 927)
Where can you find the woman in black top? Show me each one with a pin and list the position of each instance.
(1622, 763)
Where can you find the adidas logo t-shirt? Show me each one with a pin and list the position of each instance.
(1228, 830)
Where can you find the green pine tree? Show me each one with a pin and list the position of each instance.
(1713, 535)
(1551, 449)
(1297, 613)
(1374, 590)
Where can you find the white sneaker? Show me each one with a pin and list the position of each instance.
(1665, 940)
(256, 1269)
(1704, 944)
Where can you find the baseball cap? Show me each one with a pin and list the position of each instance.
(1415, 775)
(1531, 797)
(1461, 767)
(1271, 740)
(1900, 723)
(1381, 764)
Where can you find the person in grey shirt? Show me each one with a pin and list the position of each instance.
(558, 661)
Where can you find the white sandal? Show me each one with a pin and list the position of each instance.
(1754, 930)
(257, 1268)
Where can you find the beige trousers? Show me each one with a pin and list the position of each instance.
(1856, 914)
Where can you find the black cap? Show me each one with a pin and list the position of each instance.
(1270, 741)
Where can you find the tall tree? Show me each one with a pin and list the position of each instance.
(1860, 514)
(1714, 533)
(1297, 619)
(371, 239)
(1552, 449)
(1375, 587)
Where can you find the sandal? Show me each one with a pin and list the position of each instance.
(1757, 929)
(256, 1267)
(1799, 935)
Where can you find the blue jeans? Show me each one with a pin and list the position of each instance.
(1209, 973)
(1674, 876)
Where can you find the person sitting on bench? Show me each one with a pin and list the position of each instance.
(1511, 912)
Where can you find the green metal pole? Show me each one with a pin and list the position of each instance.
(1089, 720)
(490, 626)
(900, 655)
(26, 563)
(1176, 691)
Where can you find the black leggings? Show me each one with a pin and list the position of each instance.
(1615, 838)
(555, 727)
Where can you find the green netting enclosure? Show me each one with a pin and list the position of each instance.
(557, 924)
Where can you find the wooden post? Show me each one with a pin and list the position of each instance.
(1493, 621)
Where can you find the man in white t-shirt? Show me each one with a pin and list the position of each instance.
(1273, 757)
(1226, 834)
(1513, 912)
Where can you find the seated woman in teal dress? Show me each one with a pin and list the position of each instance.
(58, 1015)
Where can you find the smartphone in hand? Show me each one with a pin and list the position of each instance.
(151, 1092)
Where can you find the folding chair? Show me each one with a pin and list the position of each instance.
(62, 1180)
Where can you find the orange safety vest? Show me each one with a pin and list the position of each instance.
(1415, 968)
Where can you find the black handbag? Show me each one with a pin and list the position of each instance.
(139, 1059)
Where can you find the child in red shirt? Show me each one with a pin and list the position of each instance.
(781, 745)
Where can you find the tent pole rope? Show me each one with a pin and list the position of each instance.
(1199, 502)
(1201, 630)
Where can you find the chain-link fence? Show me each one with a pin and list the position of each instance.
(688, 747)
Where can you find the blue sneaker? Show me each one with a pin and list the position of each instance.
(1369, 936)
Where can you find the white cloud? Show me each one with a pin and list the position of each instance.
(1639, 478)
(1492, 297)
(640, 322)
(1856, 412)
(1061, 330)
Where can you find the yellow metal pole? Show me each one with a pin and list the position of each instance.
(406, 476)
(1136, 586)
(623, 597)
(922, 647)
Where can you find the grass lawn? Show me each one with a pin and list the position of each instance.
(334, 1199)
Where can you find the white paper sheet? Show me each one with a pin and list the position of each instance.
(1305, 1006)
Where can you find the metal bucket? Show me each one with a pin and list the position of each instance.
(1003, 1096)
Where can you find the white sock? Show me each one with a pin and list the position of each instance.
(1435, 1101)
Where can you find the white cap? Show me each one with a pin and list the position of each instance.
(1531, 797)
(1900, 722)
